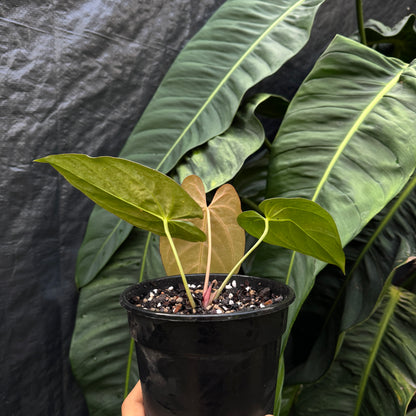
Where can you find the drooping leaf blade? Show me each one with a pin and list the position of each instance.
(393, 240)
(297, 224)
(375, 371)
(135, 193)
(222, 157)
(338, 302)
(244, 42)
(227, 236)
(356, 132)
(398, 41)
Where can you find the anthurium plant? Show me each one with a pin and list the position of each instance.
(154, 202)
(345, 142)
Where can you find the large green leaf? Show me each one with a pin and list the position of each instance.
(392, 241)
(251, 181)
(337, 303)
(135, 193)
(98, 245)
(101, 340)
(348, 142)
(244, 42)
(375, 371)
(222, 157)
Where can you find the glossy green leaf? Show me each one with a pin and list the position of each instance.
(135, 193)
(251, 181)
(390, 243)
(375, 371)
(93, 254)
(348, 143)
(222, 157)
(297, 224)
(243, 42)
(101, 340)
(398, 41)
(337, 303)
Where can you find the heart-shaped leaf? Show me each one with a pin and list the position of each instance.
(297, 224)
(135, 193)
(226, 235)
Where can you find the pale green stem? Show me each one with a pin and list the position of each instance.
(289, 271)
(128, 369)
(267, 144)
(279, 387)
(241, 261)
(131, 348)
(178, 262)
(250, 204)
(209, 254)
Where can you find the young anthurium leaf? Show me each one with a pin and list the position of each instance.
(137, 194)
(297, 224)
(228, 238)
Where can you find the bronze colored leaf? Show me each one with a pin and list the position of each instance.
(228, 238)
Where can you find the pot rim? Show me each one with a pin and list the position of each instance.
(289, 297)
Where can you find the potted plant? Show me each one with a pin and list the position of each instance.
(346, 142)
(207, 342)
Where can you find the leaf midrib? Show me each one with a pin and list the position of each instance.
(345, 142)
(382, 328)
(355, 128)
(226, 77)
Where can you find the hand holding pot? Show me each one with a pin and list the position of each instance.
(133, 404)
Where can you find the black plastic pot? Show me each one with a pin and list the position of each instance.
(205, 365)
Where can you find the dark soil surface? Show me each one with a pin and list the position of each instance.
(235, 298)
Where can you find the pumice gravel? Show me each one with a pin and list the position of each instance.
(235, 298)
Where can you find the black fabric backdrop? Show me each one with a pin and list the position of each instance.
(75, 77)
